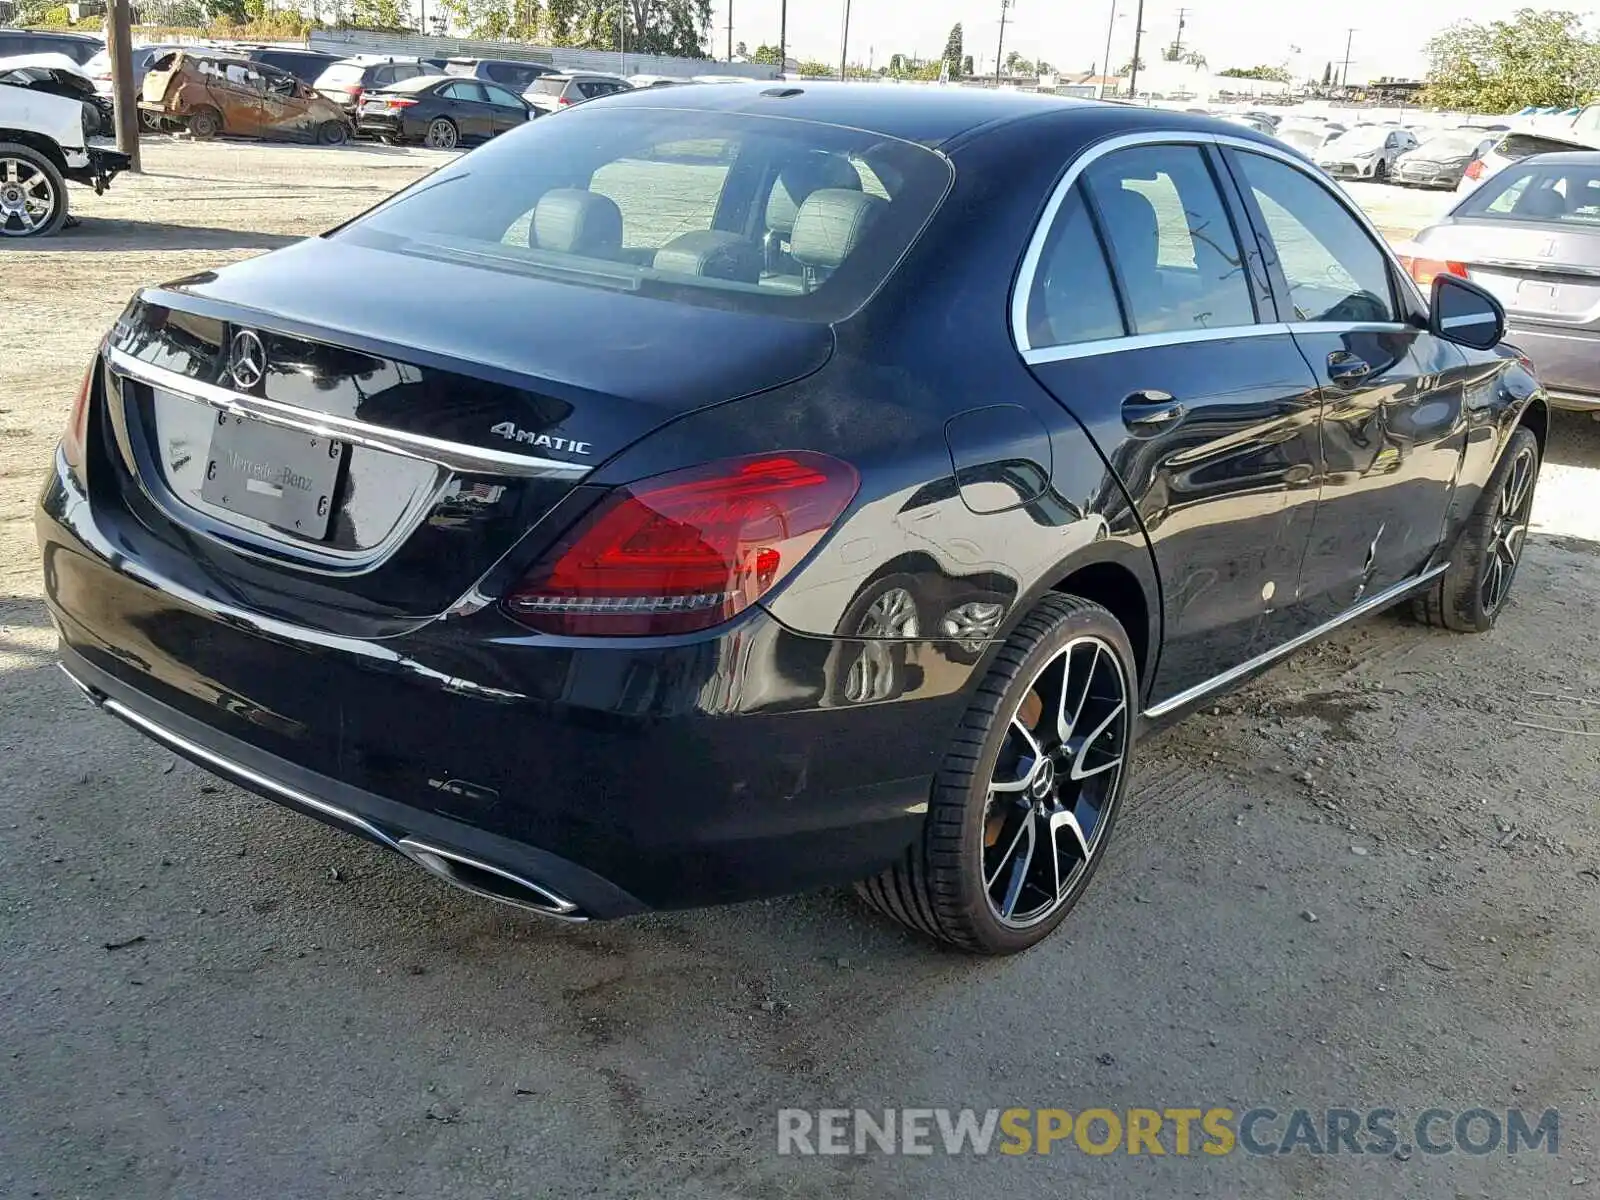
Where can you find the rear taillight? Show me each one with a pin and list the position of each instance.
(1474, 170)
(686, 550)
(563, 101)
(399, 103)
(75, 437)
(1423, 270)
(354, 91)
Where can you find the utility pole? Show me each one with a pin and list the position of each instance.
(1344, 75)
(119, 41)
(1105, 65)
(783, 38)
(844, 46)
(1000, 50)
(730, 30)
(1177, 42)
(1138, 33)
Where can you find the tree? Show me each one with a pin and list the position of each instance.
(1540, 58)
(741, 51)
(769, 55)
(1327, 75)
(1194, 59)
(679, 27)
(511, 20)
(955, 51)
(810, 68)
(1126, 69)
(1269, 74)
(1017, 65)
(966, 66)
(388, 15)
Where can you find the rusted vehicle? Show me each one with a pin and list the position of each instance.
(211, 94)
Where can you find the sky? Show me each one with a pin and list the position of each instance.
(1389, 36)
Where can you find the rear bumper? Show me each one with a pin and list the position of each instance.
(386, 125)
(651, 773)
(1567, 361)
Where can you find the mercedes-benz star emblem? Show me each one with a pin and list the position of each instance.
(247, 359)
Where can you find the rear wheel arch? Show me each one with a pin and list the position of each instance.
(1117, 587)
(36, 141)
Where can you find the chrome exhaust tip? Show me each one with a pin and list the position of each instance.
(488, 881)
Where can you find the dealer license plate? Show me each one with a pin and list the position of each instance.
(282, 477)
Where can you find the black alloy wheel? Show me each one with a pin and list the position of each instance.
(441, 134)
(1028, 794)
(1471, 595)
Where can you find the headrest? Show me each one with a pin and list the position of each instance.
(573, 221)
(714, 253)
(799, 178)
(831, 224)
(1132, 224)
(1547, 202)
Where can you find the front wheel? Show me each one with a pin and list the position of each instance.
(33, 196)
(1470, 596)
(1026, 797)
(441, 134)
(333, 133)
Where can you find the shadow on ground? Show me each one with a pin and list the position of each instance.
(1574, 440)
(99, 235)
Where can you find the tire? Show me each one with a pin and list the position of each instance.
(441, 134)
(93, 125)
(971, 879)
(33, 196)
(1380, 173)
(1471, 595)
(205, 123)
(333, 133)
(150, 122)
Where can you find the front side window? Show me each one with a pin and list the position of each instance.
(1172, 246)
(501, 97)
(644, 200)
(1072, 298)
(1335, 271)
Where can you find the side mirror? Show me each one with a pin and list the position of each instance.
(1461, 311)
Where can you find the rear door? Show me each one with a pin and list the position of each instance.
(469, 108)
(1393, 422)
(1201, 402)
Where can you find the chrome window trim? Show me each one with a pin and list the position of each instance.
(1182, 137)
(454, 456)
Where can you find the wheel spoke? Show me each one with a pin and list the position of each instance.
(1019, 870)
(1033, 754)
(1064, 726)
(1079, 770)
(1011, 849)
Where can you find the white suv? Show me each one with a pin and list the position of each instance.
(42, 145)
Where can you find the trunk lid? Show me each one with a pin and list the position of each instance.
(434, 412)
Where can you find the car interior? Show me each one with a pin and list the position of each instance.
(812, 211)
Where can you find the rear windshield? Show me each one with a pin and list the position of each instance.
(550, 85)
(343, 73)
(756, 214)
(1451, 145)
(1564, 194)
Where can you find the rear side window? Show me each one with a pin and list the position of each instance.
(407, 70)
(1335, 271)
(1073, 299)
(678, 205)
(1172, 245)
(462, 91)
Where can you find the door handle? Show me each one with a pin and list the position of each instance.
(1150, 411)
(1344, 367)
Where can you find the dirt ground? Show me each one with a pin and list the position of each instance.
(203, 995)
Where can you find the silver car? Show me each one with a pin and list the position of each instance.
(1442, 158)
(1531, 235)
(1365, 152)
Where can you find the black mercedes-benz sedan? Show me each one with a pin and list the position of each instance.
(441, 111)
(726, 491)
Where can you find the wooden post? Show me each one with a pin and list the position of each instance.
(119, 41)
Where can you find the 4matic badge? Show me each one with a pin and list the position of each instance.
(544, 441)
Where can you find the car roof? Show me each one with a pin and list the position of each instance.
(418, 82)
(61, 34)
(930, 115)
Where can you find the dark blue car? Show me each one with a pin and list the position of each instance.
(725, 491)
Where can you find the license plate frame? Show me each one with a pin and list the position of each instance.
(281, 477)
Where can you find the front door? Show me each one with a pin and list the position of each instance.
(1170, 357)
(1394, 395)
(508, 110)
